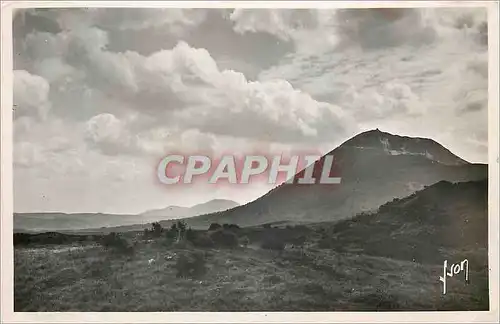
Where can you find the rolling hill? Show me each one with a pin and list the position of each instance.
(37, 222)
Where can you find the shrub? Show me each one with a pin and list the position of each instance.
(230, 227)
(224, 238)
(202, 241)
(117, 243)
(214, 226)
(191, 265)
(199, 239)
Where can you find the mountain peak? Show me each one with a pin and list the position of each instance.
(391, 144)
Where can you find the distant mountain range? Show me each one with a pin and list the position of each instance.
(63, 221)
(175, 212)
(376, 167)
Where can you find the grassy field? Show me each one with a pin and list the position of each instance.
(85, 276)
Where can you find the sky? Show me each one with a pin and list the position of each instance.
(101, 95)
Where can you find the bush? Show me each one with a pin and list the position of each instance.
(199, 239)
(191, 265)
(202, 241)
(214, 226)
(230, 226)
(117, 243)
(224, 238)
(157, 229)
(233, 226)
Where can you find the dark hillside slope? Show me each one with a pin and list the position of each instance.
(443, 221)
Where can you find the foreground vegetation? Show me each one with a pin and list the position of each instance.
(210, 271)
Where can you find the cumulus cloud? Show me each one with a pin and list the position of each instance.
(186, 83)
(388, 99)
(109, 134)
(112, 136)
(30, 95)
(281, 112)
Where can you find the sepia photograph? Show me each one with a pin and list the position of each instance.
(251, 159)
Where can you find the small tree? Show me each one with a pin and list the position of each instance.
(157, 229)
(180, 229)
(181, 225)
